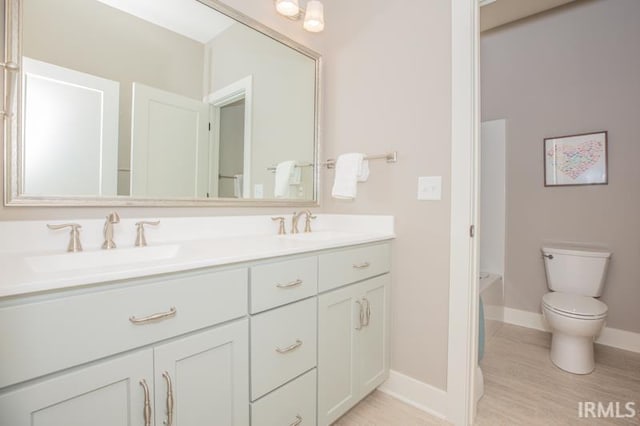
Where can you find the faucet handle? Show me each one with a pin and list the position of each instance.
(141, 241)
(281, 230)
(74, 241)
(307, 223)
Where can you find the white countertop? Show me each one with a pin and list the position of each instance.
(19, 276)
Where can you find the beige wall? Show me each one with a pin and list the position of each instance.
(387, 86)
(573, 70)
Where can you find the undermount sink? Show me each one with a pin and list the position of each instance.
(318, 236)
(101, 258)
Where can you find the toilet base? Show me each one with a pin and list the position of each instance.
(573, 354)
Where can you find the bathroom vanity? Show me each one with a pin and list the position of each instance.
(273, 340)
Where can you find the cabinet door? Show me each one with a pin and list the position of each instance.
(338, 321)
(104, 394)
(206, 376)
(373, 339)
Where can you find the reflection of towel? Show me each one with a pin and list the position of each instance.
(284, 172)
(237, 186)
(350, 169)
(296, 176)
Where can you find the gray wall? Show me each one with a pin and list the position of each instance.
(573, 70)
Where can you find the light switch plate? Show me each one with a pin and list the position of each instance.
(430, 188)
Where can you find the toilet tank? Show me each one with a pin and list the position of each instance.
(576, 270)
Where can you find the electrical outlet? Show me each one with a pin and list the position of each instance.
(258, 190)
(430, 188)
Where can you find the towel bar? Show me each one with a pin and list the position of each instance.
(391, 157)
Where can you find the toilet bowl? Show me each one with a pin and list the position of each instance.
(575, 321)
(575, 277)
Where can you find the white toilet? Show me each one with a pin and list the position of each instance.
(575, 277)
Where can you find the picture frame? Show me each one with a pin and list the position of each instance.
(576, 160)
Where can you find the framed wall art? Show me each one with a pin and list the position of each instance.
(576, 160)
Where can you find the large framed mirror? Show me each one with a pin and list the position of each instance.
(147, 102)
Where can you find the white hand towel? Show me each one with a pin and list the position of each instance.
(349, 168)
(363, 175)
(284, 171)
(237, 186)
(296, 176)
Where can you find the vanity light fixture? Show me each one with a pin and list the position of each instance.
(313, 15)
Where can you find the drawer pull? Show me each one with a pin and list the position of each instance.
(295, 346)
(147, 403)
(360, 315)
(367, 315)
(154, 317)
(297, 421)
(292, 284)
(363, 265)
(167, 378)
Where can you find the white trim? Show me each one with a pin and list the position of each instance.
(416, 393)
(613, 337)
(463, 290)
(242, 88)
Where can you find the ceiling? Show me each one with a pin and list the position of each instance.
(187, 17)
(499, 12)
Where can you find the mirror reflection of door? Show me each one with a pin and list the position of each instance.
(231, 158)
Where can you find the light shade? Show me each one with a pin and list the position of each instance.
(314, 18)
(288, 7)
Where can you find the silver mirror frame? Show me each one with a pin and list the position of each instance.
(12, 104)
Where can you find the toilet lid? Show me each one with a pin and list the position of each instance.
(574, 304)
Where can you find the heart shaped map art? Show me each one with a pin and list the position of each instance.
(575, 159)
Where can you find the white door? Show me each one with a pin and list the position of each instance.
(373, 339)
(69, 131)
(207, 377)
(169, 144)
(104, 394)
(338, 322)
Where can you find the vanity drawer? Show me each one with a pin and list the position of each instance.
(292, 403)
(283, 345)
(61, 333)
(277, 284)
(347, 266)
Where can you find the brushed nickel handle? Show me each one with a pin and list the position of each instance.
(360, 315)
(362, 265)
(147, 403)
(141, 240)
(292, 284)
(548, 256)
(281, 230)
(167, 378)
(293, 347)
(74, 241)
(297, 421)
(368, 312)
(154, 317)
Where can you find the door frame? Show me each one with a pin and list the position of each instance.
(229, 94)
(463, 290)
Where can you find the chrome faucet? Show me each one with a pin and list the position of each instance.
(112, 219)
(296, 218)
(74, 241)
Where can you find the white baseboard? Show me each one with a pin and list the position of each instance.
(620, 339)
(416, 393)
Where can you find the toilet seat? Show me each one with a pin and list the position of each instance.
(575, 306)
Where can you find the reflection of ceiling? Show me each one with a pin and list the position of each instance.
(500, 12)
(190, 18)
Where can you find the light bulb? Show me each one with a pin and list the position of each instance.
(314, 18)
(288, 7)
